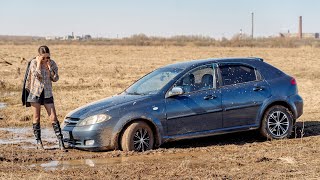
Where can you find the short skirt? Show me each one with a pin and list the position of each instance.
(41, 100)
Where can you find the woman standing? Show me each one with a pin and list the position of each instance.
(38, 83)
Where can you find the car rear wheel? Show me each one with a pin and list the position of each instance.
(277, 123)
(137, 137)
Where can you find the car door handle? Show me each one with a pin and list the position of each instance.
(208, 97)
(258, 88)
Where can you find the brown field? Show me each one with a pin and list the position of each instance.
(88, 73)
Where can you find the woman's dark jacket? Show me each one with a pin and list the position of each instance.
(25, 92)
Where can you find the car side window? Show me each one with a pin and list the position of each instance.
(201, 78)
(234, 74)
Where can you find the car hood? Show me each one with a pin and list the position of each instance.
(105, 103)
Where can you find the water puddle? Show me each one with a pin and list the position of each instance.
(25, 136)
(80, 163)
(100, 162)
(2, 105)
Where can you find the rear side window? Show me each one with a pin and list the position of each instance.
(270, 72)
(234, 74)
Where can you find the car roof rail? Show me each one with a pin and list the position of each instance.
(257, 58)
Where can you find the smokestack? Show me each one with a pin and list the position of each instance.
(300, 28)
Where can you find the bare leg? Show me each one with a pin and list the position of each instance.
(36, 107)
(55, 124)
(51, 110)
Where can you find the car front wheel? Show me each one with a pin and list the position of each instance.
(137, 137)
(277, 123)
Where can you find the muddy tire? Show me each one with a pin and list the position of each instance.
(137, 137)
(277, 123)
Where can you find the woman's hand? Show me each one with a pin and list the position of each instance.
(48, 64)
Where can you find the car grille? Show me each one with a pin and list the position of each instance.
(69, 121)
(68, 138)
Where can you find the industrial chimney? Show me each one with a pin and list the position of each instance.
(300, 28)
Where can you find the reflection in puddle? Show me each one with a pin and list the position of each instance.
(25, 135)
(100, 162)
(2, 105)
(61, 165)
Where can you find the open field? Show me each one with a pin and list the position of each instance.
(88, 73)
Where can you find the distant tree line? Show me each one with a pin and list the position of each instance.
(238, 40)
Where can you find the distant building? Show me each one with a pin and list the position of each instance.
(300, 34)
(304, 35)
(77, 38)
(87, 37)
(52, 38)
(68, 37)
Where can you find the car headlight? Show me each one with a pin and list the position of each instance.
(94, 119)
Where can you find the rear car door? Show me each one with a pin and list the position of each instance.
(243, 91)
(199, 108)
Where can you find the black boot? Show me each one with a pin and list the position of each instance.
(37, 135)
(57, 131)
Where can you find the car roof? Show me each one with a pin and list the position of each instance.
(197, 62)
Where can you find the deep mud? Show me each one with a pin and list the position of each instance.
(24, 137)
(240, 155)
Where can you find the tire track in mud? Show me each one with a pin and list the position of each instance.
(30, 154)
(223, 156)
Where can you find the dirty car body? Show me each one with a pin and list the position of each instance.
(188, 100)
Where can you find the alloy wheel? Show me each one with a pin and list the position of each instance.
(278, 123)
(141, 140)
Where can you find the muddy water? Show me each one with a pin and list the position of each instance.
(24, 136)
(25, 139)
(81, 163)
(99, 162)
(2, 105)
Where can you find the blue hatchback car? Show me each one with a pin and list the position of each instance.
(188, 100)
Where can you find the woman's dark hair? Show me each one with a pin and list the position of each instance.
(43, 50)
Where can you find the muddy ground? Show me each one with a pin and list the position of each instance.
(89, 73)
(241, 155)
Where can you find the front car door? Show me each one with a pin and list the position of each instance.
(243, 92)
(199, 107)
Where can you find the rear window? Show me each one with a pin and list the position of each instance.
(234, 74)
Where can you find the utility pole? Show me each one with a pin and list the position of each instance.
(300, 28)
(252, 16)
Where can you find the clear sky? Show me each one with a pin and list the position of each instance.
(106, 18)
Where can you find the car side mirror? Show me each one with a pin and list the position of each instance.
(175, 91)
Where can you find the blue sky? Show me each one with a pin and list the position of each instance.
(156, 18)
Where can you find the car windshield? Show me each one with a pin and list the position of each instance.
(153, 82)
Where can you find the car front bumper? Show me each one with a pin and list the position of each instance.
(92, 137)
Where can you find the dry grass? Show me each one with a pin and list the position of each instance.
(89, 73)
